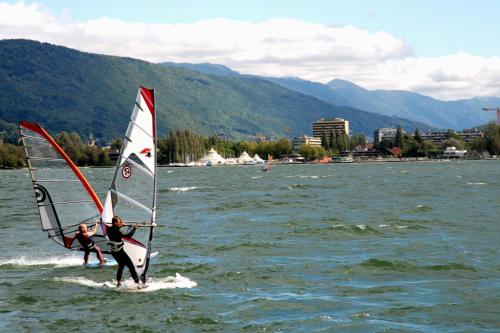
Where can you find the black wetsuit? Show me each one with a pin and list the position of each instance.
(121, 257)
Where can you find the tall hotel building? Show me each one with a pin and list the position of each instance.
(337, 125)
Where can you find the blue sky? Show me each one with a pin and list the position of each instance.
(445, 49)
(433, 28)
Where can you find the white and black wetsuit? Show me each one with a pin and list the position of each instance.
(115, 240)
(86, 241)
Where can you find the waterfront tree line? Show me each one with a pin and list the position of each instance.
(185, 146)
(12, 155)
(178, 147)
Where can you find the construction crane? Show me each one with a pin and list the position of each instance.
(498, 113)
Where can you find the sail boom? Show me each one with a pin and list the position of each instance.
(70, 226)
(56, 180)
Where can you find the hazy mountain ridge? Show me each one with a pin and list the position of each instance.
(457, 114)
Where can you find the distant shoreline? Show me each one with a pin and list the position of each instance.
(363, 161)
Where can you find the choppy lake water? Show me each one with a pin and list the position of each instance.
(387, 247)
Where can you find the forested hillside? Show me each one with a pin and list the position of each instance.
(68, 90)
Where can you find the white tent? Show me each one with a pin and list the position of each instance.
(213, 157)
(257, 159)
(245, 159)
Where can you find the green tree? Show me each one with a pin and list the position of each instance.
(11, 156)
(492, 137)
(332, 141)
(453, 142)
(477, 144)
(324, 141)
(417, 136)
(398, 141)
(311, 152)
(357, 140)
(282, 147)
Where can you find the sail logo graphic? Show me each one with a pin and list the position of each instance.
(146, 152)
(126, 171)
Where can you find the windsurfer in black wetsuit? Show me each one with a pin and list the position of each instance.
(86, 240)
(116, 243)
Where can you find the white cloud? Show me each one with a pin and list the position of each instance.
(277, 47)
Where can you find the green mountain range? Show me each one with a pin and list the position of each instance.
(67, 90)
(459, 114)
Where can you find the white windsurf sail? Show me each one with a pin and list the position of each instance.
(64, 197)
(132, 194)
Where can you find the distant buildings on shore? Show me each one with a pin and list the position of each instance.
(384, 134)
(437, 137)
(338, 129)
(322, 128)
(467, 135)
(305, 140)
(337, 125)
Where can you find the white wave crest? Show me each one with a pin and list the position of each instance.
(153, 284)
(303, 176)
(476, 183)
(56, 261)
(182, 189)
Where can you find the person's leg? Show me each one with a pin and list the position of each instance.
(98, 254)
(121, 266)
(130, 265)
(86, 257)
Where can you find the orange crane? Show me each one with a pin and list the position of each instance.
(498, 113)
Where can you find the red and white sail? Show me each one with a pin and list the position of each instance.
(132, 193)
(64, 197)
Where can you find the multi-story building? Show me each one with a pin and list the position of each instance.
(305, 140)
(337, 125)
(470, 134)
(434, 136)
(439, 137)
(384, 134)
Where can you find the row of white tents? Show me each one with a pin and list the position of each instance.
(213, 158)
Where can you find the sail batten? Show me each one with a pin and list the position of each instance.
(65, 203)
(35, 158)
(33, 137)
(143, 130)
(132, 201)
